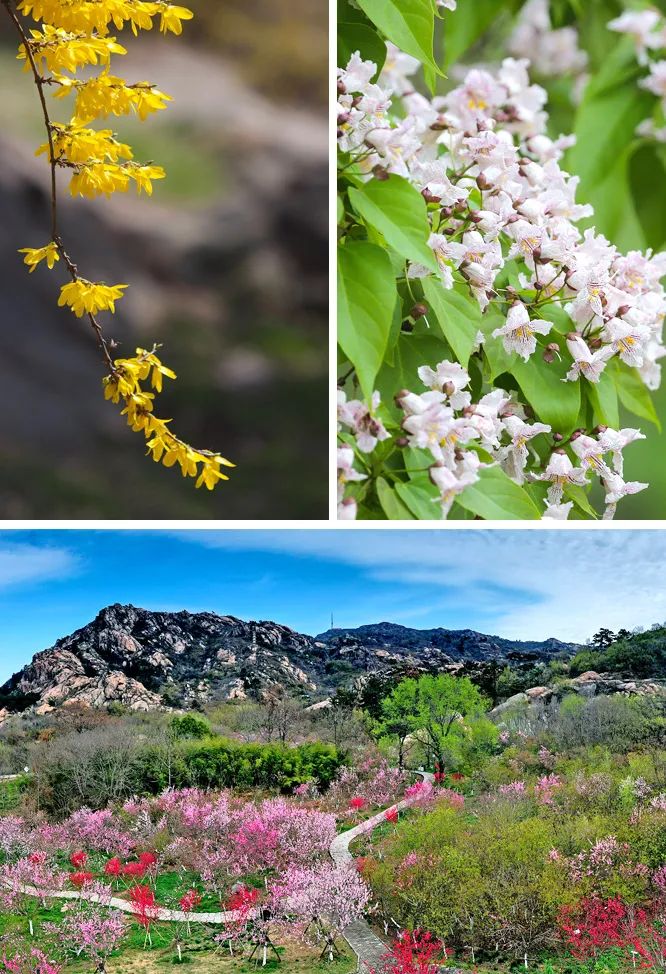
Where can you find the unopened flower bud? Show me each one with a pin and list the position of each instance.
(402, 442)
(560, 452)
(448, 388)
(482, 181)
(341, 87)
(418, 311)
(430, 197)
(474, 217)
(623, 310)
(600, 428)
(573, 335)
(576, 435)
(380, 173)
(446, 212)
(343, 118)
(460, 206)
(558, 437)
(595, 343)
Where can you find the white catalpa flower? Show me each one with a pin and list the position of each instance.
(362, 421)
(557, 512)
(358, 73)
(346, 472)
(614, 442)
(616, 489)
(449, 378)
(518, 334)
(627, 340)
(590, 452)
(559, 473)
(451, 482)
(639, 25)
(513, 457)
(586, 363)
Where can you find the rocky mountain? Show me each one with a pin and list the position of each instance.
(455, 645)
(145, 660)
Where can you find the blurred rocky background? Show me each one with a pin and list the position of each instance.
(228, 270)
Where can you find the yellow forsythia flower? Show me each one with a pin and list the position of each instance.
(171, 18)
(84, 297)
(33, 256)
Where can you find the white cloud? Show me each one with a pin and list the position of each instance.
(529, 584)
(21, 563)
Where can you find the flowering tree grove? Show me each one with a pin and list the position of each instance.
(71, 36)
(489, 330)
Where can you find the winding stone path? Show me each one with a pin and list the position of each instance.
(160, 913)
(367, 946)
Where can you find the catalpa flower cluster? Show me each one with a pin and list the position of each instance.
(553, 52)
(548, 323)
(647, 30)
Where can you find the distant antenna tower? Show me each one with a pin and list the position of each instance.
(332, 625)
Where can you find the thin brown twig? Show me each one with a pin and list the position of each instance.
(102, 341)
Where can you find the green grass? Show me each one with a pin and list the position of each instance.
(200, 951)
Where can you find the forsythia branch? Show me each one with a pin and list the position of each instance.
(75, 34)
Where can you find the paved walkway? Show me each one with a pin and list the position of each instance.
(160, 913)
(367, 946)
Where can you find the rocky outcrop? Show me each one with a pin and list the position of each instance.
(145, 659)
(588, 684)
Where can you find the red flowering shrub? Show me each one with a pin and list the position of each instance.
(113, 867)
(414, 952)
(144, 906)
(594, 925)
(79, 859)
(80, 879)
(190, 901)
(391, 815)
(136, 870)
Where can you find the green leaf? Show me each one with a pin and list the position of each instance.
(557, 314)
(410, 353)
(495, 497)
(367, 295)
(420, 501)
(579, 497)
(498, 359)
(398, 211)
(614, 211)
(554, 401)
(458, 316)
(363, 38)
(410, 24)
(464, 27)
(612, 107)
(634, 394)
(392, 506)
(647, 178)
(603, 396)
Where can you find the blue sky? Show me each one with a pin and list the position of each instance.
(520, 584)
